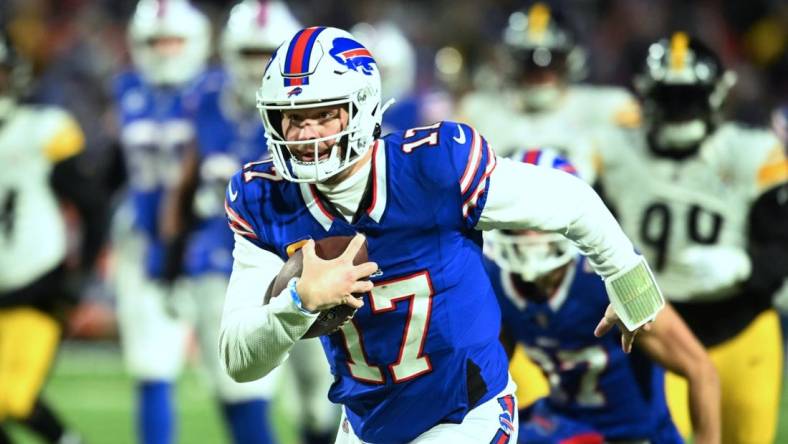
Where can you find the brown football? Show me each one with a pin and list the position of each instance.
(332, 319)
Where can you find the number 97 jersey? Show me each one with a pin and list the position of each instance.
(424, 348)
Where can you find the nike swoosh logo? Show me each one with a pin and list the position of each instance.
(233, 194)
(461, 138)
(377, 273)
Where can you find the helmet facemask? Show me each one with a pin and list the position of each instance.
(245, 66)
(530, 254)
(349, 144)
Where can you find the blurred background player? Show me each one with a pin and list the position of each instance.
(540, 102)
(229, 134)
(548, 295)
(169, 43)
(39, 284)
(693, 191)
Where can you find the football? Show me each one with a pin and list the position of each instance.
(332, 319)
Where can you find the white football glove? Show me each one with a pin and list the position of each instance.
(712, 269)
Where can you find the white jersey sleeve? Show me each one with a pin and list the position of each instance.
(524, 196)
(255, 338)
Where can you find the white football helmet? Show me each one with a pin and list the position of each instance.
(317, 67)
(532, 254)
(159, 19)
(394, 55)
(254, 30)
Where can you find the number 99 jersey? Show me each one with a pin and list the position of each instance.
(32, 230)
(424, 348)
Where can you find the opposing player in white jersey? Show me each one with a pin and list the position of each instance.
(38, 168)
(544, 106)
(169, 43)
(693, 192)
(229, 134)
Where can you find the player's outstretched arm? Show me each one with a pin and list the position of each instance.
(523, 196)
(672, 345)
(255, 338)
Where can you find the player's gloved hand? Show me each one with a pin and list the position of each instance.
(712, 268)
(328, 283)
(627, 337)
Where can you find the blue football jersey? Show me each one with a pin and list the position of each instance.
(227, 138)
(154, 131)
(591, 379)
(424, 348)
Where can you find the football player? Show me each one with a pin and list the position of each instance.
(169, 43)
(229, 134)
(421, 361)
(549, 298)
(545, 105)
(693, 191)
(39, 166)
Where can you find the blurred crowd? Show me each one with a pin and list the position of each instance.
(78, 45)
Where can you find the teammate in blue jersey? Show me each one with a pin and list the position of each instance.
(421, 361)
(169, 44)
(550, 299)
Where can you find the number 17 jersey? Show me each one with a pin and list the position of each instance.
(424, 347)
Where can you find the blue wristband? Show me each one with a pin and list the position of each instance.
(296, 298)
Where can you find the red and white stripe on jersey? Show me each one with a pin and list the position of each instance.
(480, 158)
(379, 192)
(315, 206)
(237, 223)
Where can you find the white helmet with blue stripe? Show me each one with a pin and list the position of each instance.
(529, 253)
(255, 28)
(318, 67)
(177, 62)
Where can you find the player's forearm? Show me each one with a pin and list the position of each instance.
(255, 338)
(704, 403)
(523, 196)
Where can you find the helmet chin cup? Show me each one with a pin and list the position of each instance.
(539, 97)
(681, 136)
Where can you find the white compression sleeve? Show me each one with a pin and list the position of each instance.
(255, 338)
(525, 196)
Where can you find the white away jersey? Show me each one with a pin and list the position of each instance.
(32, 231)
(571, 127)
(667, 205)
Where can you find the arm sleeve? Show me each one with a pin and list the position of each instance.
(768, 242)
(524, 196)
(255, 338)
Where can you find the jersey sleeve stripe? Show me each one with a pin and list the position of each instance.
(473, 199)
(774, 172)
(237, 223)
(474, 157)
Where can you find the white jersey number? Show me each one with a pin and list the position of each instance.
(416, 290)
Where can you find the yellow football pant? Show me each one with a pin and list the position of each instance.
(531, 382)
(750, 369)
(28, 341)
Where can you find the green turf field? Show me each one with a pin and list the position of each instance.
(92, 392)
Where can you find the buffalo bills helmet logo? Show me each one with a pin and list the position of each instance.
(295, 91)
(352, 54)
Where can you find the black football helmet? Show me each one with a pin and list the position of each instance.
(683, 86)
(544, 55)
